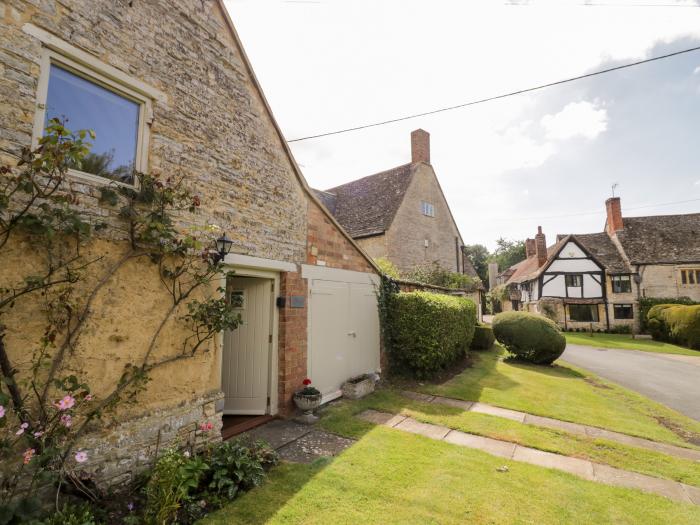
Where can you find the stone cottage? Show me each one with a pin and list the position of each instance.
(401, 214)
(596, 280)
(168, 89)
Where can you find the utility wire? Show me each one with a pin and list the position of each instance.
(600, 4)
(496, 97)
(598, 212)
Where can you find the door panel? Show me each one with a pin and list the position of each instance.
(343, 333)
(328, 366)
(246, 355)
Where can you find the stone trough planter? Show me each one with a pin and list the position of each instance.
(357, 387)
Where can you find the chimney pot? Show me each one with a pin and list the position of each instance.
(540, 247)
(613, 209)
(530, 248)
(420, 146)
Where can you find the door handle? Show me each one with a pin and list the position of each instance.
(352, 334)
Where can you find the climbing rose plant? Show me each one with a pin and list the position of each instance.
(47, 406)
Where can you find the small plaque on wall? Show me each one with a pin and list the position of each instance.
(298, 301)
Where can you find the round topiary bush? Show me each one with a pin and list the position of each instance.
(529, 336)
(483, 338)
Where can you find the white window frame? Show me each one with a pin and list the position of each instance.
(82, 64)
(427, 209)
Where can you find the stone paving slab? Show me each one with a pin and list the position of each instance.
(417, 396)
(456, 403)
(623, 478)
(313, 445)
(492, 446)
(576, 466)
(424, 429)
(381, 418)
(491, 410)
(279, 432)
(567, 426)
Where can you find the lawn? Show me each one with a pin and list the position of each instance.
(339, 418)
(625, 342)
(567, 393)
(394, 477)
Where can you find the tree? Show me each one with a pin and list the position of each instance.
(478, 255)
(508, 253)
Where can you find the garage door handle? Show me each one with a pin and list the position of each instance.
(352, 334)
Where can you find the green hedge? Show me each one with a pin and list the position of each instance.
(427, 332)
(676, 323)
(483, 338)
(646, 303)
(529, 336)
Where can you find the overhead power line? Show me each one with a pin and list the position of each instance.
(597, 212)
(496, 97)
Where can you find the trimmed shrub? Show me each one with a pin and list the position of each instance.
(675, 323)
(427, 332)
(483, 338)
(529, 336)
(646, 303)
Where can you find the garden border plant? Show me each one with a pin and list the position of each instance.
(47, 408)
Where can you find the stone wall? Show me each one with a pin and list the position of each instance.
(410, 228)
(374, 246)
(665, 281)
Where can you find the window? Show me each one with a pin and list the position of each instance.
(621, 283)
(690, 276)
(427, 209)
(574, 280)
(91, 95)
(623, 311)
(583, 312)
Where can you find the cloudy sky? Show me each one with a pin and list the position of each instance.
(546, 158)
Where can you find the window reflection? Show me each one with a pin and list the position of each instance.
(114, 118)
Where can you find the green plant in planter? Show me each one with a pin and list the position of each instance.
(308, 390)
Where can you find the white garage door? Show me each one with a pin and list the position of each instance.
(343, 327)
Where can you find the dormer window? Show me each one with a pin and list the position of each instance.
(427, 209)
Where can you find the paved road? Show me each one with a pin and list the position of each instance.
(665, 378)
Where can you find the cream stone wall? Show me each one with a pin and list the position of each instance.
(211, 128)
(410, 228)
(375, 246)
(665, 281)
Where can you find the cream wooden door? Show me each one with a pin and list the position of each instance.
(246, 359)
(343, 333)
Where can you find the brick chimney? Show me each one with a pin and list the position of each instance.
(614, 210)
(540, 247)
(420, 146)
(530, 248)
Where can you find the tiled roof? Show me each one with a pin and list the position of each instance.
(604, 250)
(529, 269)
(366, 206)
(661, 238)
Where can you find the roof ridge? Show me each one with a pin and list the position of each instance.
(329, 190)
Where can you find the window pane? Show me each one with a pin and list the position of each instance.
(113, 118)
(691, 277)
(684, 277)
(623, 311)
(583, 312)
(574, 280)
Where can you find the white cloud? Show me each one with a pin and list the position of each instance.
(577, 119)
(697, 183)
(696, 71)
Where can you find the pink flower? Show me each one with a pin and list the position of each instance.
(206, 426)
(28, 455)
(2, 411)
(66, 403)
(22, 428)
(88, 397)
(81, 457)
(38, 434)
(66, 420)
